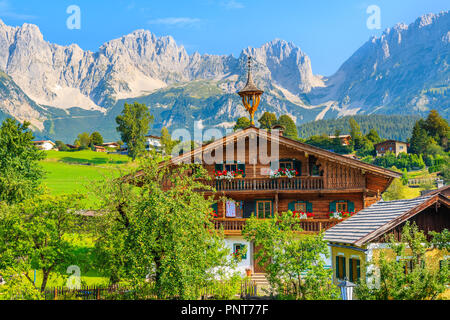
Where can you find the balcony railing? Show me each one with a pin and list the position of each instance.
(235, 226)
(249, 184)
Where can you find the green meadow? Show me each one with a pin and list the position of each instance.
(78, 171)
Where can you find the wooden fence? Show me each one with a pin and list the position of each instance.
(248, 289)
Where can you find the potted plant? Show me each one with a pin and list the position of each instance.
(224, 175)
(239, 174)
(300, 215)
(284, 173)
(336, 215)
(249, 272)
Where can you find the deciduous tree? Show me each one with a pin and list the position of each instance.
(133, 124)
(267, 120)
(20, 171)
(242, 123)
(292, 261)
(395, 279)
(34, 235)
(96, 139)
(291, 128)
(163, 234)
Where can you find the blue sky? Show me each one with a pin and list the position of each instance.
(328, 31)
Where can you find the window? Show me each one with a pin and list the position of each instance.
(231, 167)
(407, 263)
(234, 209)
(355, 269)
(263, 209)
(286, 165)
(239, 249)
(342, 206)
(300, 206)
(340, 267)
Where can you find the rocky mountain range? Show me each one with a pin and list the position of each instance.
(64, 90)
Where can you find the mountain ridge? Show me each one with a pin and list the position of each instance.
(405, 70)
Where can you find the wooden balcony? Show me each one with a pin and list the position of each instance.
(234, 227)
(266, 184)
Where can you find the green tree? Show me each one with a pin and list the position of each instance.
(96, 138)
(35, 233)
(396, 191)
(267, 120)
(437, 128)
(166, 141)
(164, 234)
(291, 260)
(420, 139)
(355, 132)
(61, 146)
(133, 124)
(17, 286)
(373, 136)
(20, 171)
(421, 282)
(83, 140)
(242, 123)
(291, 129)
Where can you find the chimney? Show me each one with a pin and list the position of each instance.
(279, 128)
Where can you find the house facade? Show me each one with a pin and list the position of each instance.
(346, 139)
(262, 174)
(44, 145)
(361, 238)
(393, 146)
(153, 142)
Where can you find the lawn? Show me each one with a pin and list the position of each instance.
(77, 172)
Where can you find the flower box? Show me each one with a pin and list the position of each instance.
(228, 175)
(284, 173)
(341, 215)
(303, 215)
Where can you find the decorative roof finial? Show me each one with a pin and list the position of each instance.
(251, 95)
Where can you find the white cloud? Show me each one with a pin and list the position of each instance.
(233, 4)
(6, 11)
(182, 21)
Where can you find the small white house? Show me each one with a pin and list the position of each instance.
(44, 145)
(154, 142)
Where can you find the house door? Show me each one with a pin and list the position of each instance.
(257, 267)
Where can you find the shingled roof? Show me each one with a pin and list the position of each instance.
(378, 219)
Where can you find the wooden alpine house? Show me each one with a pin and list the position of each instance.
(264, 173)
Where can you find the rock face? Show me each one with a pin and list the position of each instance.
(406, 70)
(18, 103)
(136, 64)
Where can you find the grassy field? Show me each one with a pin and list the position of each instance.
(76, 172)
(82, 244)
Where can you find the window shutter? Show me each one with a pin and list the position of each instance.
(333, 206)
(344, 267)
(309, 207)
(298, 167)
(351, 206)
(215, 207)
(358, 269)
(249, 208)
(291, 206)
(337, 267)
(241, 166)
(351, 270)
